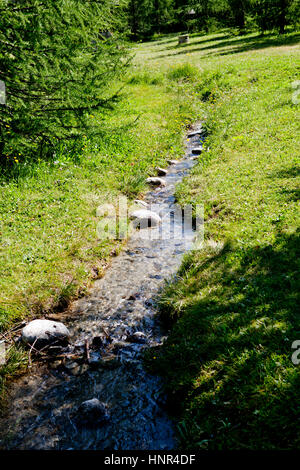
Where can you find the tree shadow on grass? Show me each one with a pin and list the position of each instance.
(291, 172)
(202, 40)
(165, 39)
(263, 44)
(241, 44)
(227, 362)
(291, 194)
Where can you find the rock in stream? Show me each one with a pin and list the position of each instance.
(44, 332)
(109, 330)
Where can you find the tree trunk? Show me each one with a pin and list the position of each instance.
(238, 11)
(156, 16)
(133, 14)
(282, 16)
(240, 19)
(282, 22)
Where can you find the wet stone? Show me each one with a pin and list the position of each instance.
(144, 218)
(41, 333)
(93, 413)
(55, 364)
(76, 369)
(110, 362)
(195, 132)
(97, 342)
(155, 276)
(95, 359)
(55, 350)
(197, 150)
(141, 203)
(137, 337)
(161, 171)
(119, 345)
(155, 181)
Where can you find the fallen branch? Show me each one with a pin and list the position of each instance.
(87, 350)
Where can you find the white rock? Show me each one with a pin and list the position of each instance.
(161, 171)
(155, 181)
(195, 132)
(140, 203)
(197, 150)
(145, 218)
(42, 332)
(173, 162)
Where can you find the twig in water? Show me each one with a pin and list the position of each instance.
(87, 350)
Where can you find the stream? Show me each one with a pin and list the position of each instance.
(118, 319)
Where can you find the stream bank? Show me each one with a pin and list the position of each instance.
(118, 318)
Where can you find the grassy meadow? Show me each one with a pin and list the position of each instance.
(233, 310)
(49, 247)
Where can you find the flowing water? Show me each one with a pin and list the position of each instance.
(118, 319)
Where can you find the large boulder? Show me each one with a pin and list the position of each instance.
(92, 412)
(43, 332)
(144, 218)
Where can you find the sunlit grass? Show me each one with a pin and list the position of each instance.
(233, 308)
(228, 359)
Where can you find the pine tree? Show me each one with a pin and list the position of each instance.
(153, 16)
(211, 10)
(203, 9)
(147, 17)
(275, 14)
(140, 17)
(239, 8)
(57, 69)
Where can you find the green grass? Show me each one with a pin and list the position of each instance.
(234, 310)
(16, 363)
(48, 212)
(185, 72)
(49, 247)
